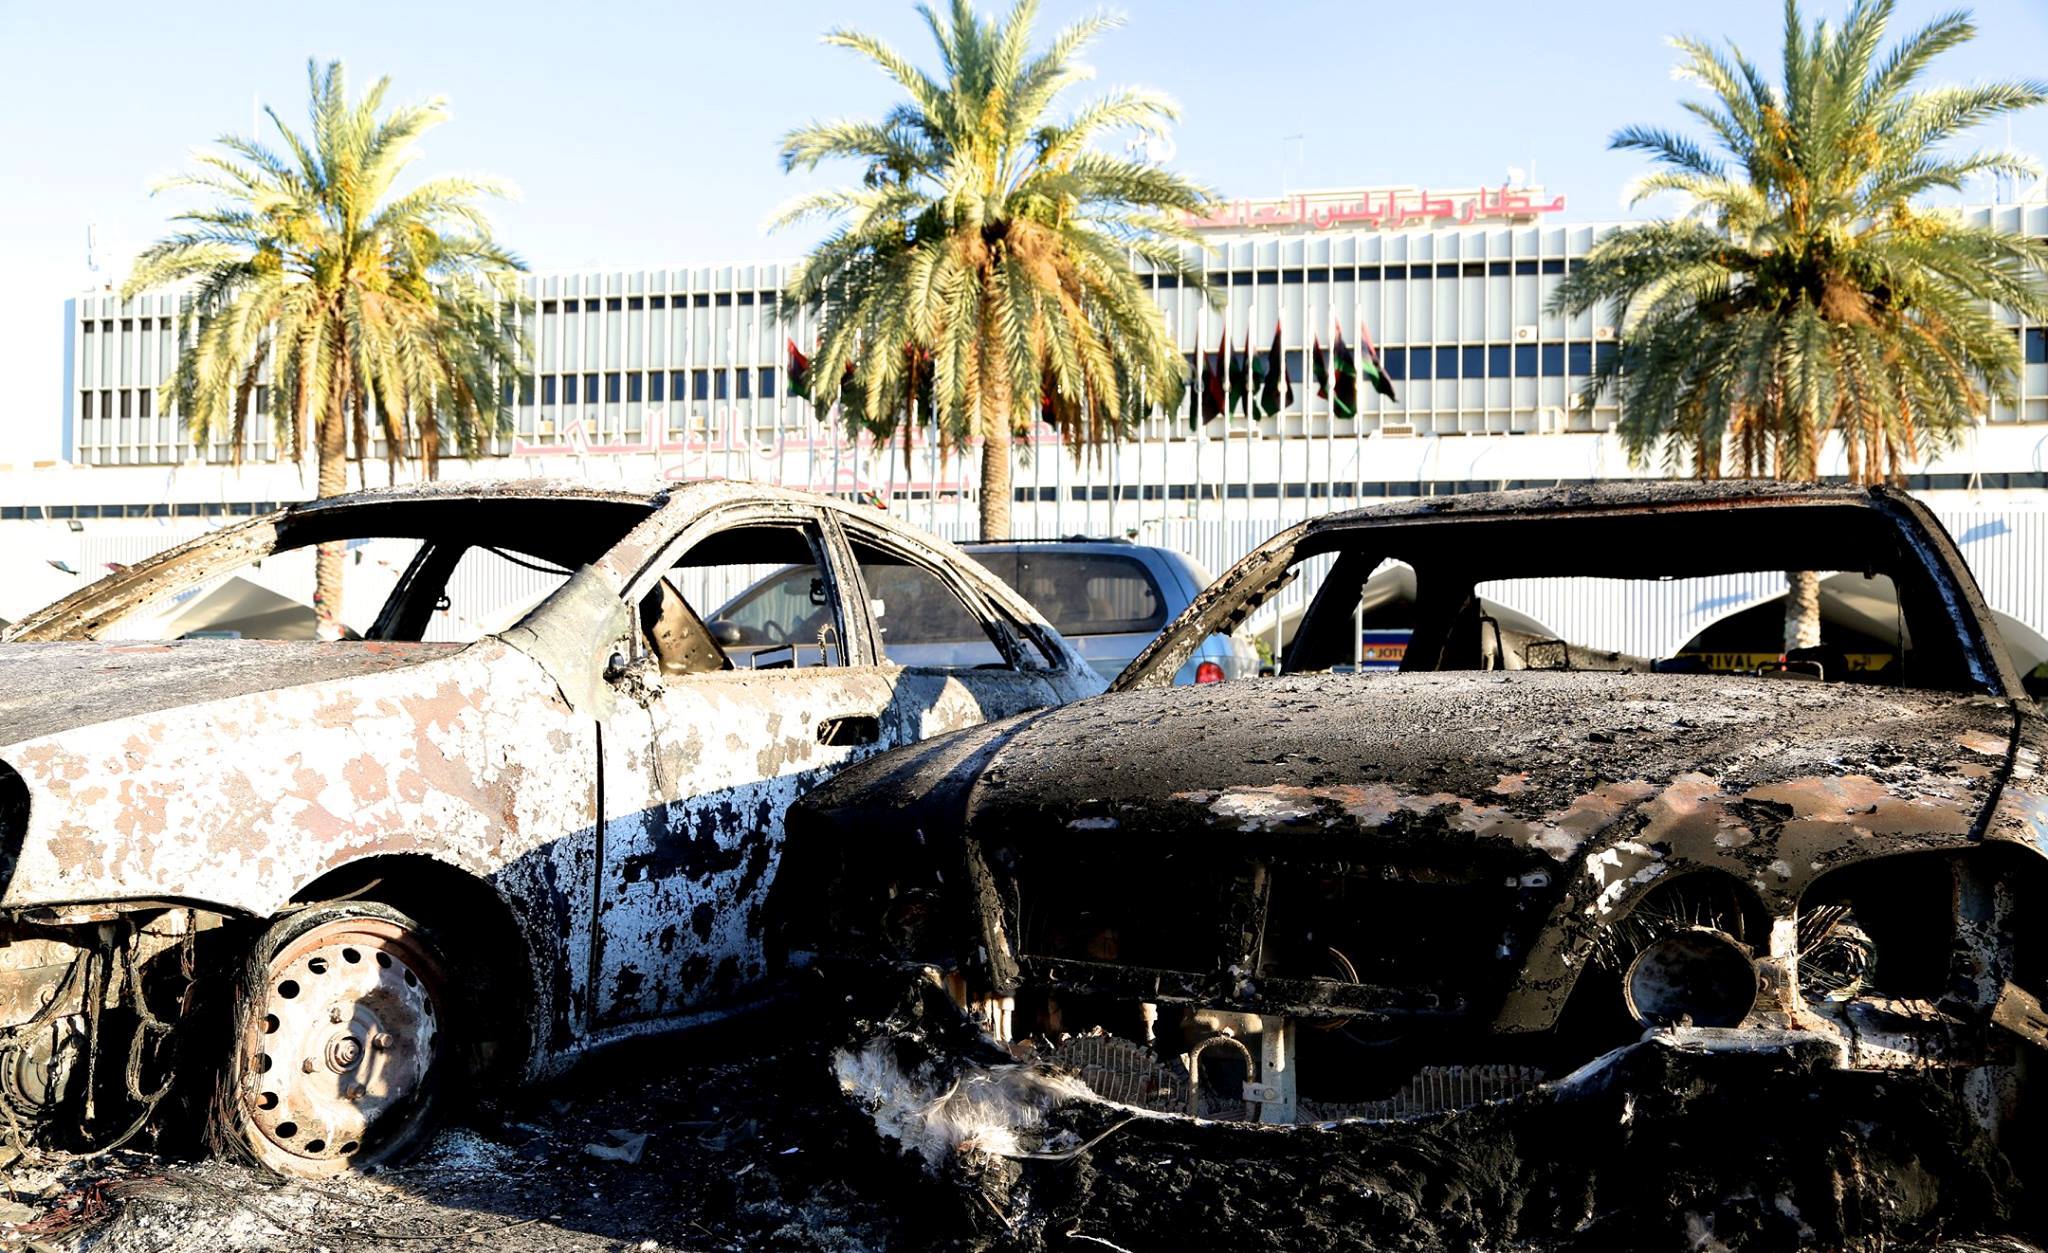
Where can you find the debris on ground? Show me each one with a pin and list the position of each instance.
(625, 1147)
(790, 1147)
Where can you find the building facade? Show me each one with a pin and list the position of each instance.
(683, 373)
(686, 368)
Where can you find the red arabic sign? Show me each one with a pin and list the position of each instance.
(1387, 209)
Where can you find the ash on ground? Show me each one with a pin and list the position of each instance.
(752, 1139)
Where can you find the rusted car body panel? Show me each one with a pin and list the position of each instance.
(1371, 886)
(619, 824)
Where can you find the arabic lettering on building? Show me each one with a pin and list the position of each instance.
(1380, 209)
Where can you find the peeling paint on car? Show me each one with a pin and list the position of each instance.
(627, 822)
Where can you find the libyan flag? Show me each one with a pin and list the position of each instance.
(1269, 378)
(799, 372)
(1374, 372)
(1241, 377)
(1343, 397)
(1212, 380)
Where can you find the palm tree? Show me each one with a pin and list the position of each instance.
(361, 300)
(982, 266)
(1804, 296)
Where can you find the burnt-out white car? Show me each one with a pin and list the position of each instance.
(442, 851)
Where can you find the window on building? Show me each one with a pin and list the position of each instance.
(526, 389)
(1395, 362)
(764, 379)
(1419, 362)
(1473, 269)
(1344, 274)
(1447, 270)
(85, 406)
(1554, 266)
(1474, 364)
(634, 384)
(127, 403)
(2037, 345)
(547, 390)
(1525, 361)
(1553, 361)
(590, 389)
(142, 401)
(612, 388)
(723, 300)
(106, 403)
(654, 386)
(744, 379)
(548, 307)
(1498, 364)
(568, 389)
(590, 305)
(720, 387)
(746, 298)
(1525, 267)
(700, 384)
(1604, 353)
(657, 302)
(1447, 363)
(1578, 359)
(701, 300)
(635, 303)
(1498, 267)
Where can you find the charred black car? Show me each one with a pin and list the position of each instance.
(1340, 895)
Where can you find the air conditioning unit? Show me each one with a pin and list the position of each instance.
(1396, 428)
(1549, 420)
(546, 426)
(1605, 334)
(1525, 334)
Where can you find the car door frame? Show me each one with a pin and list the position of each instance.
(1039, 686)
(629, 791)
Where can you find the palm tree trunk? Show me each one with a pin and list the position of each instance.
(995, 437)
(332, 439)
(1802, 609)
(995, 481)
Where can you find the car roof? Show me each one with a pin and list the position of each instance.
(1611, 494)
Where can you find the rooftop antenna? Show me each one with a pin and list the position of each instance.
(92, 240)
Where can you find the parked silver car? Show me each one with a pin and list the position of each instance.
(1109, 597)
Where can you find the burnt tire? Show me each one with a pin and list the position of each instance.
(341, 1058)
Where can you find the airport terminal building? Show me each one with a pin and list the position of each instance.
(685, 371)
(682, 373)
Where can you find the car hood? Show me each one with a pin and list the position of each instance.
(46, 689)
(1775, 780)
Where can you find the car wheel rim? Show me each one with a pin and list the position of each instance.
(341, 1045)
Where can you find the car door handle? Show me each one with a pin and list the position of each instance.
(850, 730)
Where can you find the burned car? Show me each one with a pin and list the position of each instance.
(1334, 896)
(533, 808)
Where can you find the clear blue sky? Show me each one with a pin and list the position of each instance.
(644, 133)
